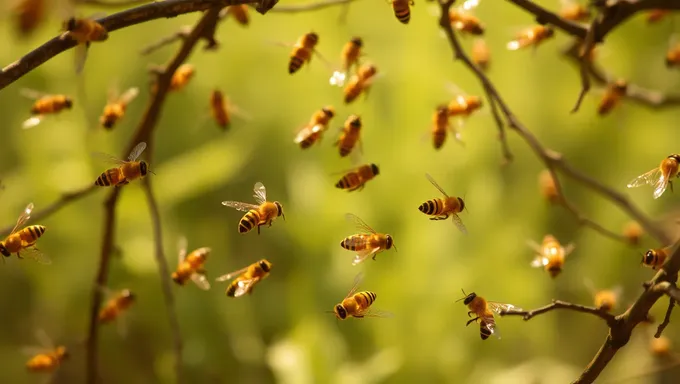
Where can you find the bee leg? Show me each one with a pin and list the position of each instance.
(670, 184)
(469, 313)
(470, 321)
(19, 255)
(258, 228)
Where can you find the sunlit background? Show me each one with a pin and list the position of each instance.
(282, 332)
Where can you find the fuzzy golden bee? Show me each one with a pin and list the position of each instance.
(350, 135)
(633, 232)
(484, 312)
(115, 108)
(661, 347)
(550, 254)
(463, 105)
(481, 55)
(611, 97)
(238, 12)
(673, 55)
(548, 187)
(441, 127)
(29, 14)
(356, 178)
(44, 105)
(464, 21)
(533, 36)
(349, 57)
(360, 82)
(182, 76)
(659, 177)
(441, 209)
(313, 131)
(604, 299)
(47, 357)
(223, 110)
(302, 51)
(368, 243)
(246, 278)
(402, 9)
(126, 172)
(22, 241)
(191, 266)
(358, 304)
(116, 306)
(257, 215)
(84, 31)
(655, 258)
(574, 11)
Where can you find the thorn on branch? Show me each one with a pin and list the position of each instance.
(666, 319)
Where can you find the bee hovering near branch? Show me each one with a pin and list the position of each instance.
(612, 96)
(360, 82)
(441, 125)
(633, 232)
(115, 108)
(313, 131)
(350, 58)
(45, 358)
(358, 304)
(441, 209)
(181, 77)
(533, 36)
(191, 266)
(660, 177)
(356, 178)
(550, 254)
(673, 53)
(464, 21)
(22, 241)
(574, 11)
(484, 310)
(29, 14)
(350, 136)
(655, 258)
(368, 243)
(481, 54)
(402, 9)
(84, 31)
(126, 172)
(44, 105)
(247, 278)
(257, 215)
(604, 299)
(116, 308)
(238, 12)
(302, 51)
(462, 105)
(222, 109)
(548, 187)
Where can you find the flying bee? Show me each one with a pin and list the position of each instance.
(84, 31)
(550, 254)
(548, 187)
(114, 110)
(191, 266)
(462, 105)
(318, 124)
(604, 299)
(22, 241)
(463, 21)
(673, 53)
(612, 96)
(238, 12)
(659, 177)
(655, 258)
(573, 11)
(44, 105)
(247, 278)
(350, 135)
(441, 209)
(181, 77)
(116, 306)
(222, 109)
(360, 82)
(47, 357)
(481, 54)
(366, 244)
(656, 15)
(533, 36)
(661, 346)
(350, 58)
(302, 51)
(484, 312)
(257, 215)
(126, 172)
(441, 126)
(29, 14)
(633, 232)
(358, 304)
(356, 178)
(402, 9)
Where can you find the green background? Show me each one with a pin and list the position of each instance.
(282, 332)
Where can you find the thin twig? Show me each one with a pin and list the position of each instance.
(181, 34)
(113, 3)
(557, 304)
(544, 16)
(666, 319)
(584, 59)
(502, 137)
(309, 7)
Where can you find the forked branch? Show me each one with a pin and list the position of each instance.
(557, 304)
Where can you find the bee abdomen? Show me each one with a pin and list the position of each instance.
(438, 139)
(368, 297)
(249, 221)
(295, 64)
(35, 231)
(352, 244)
(431, 207)
(107, 178)
(231, 290)
(349, 181)
(403, 15)
(484, 332)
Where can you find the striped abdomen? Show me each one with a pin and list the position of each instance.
(402, 10)
(31, 234)
(353, 89)
(434, 207)
(113, 176)
(297, 58)
(347, 142)
(351, 181)
(231, 289)
(309, 140)
(484, 331)
(249, 221)
(356, 242)
(364, 299)
(42, 363)
(438, 138)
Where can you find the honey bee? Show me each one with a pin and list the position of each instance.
(318, 124)
(126, 171)
(358, 304)
(571, 10)
(238, 12)
(84, 31)
(673, 53)
(656, 15)
(350, 58)
(484, 312)
(350, 135)
(462, 105)
(355, 179)
(661, 346)
(302, 51)
(481, 54)
(263, 213)
(548, 188)
(191, 266)
(612, 96)
(22, 241)
(550, 254)
(44, 105)
(441, 209)
(360, 82)
(181, 77)
(441, 127)
(366, 244)
(463, 21)
(29, 14)
(116, 106)
(655, 258)
(247, 278)
(116, 306)
(533, 36)
(604, 299)
(222, 109)
(402, 9)
(633, 232)
(46, 358)
(659, 177)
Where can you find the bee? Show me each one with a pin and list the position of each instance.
(263, 213)
(181, 77)
(656, 15)
(604, 299)
(222, 109)
(441, 127)
(481, 54)
(484, 312)
(355, 179)
(22, 241)
(633, 232)
(441, 209)
(302, 51)
(116, 106)
(548, 187)
(465, 22)
(46, 358)
(366, 244)
(350, 58)
(44, 105)
(84, 31)
(462, 105)
(402, 9)
(126, 171)
(573, 11)
(191, 266)
(29, 14)
(612, 96)
(358, 304)
(533, 36)
(238, 12)
(247, 278)
(550, 254)
(655, 258)
(312, 132)
(659, 177)
(116, 306)
(673, 53)
(360, 82)
(661, 346)
(350, 135)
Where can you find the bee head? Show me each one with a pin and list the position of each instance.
(375, 169)
(462, 204)
(4, 250)
(549, 31)
(70, 24)
(670, 63)
(176, 279)
(313, 38)
(468, 298)
(621, 86)
(340, 312)
(143, 168)
(442, 109)
(68, 102)
(355, 121)
(357, 41)
(63, 352)
(265, 265)
(474, 102)
(554, 270)
(329, 111)
(675, 157)
(390, 242)
(127, 294)
(370, 70)
(648, 257)
(108, 123)
(279, 210)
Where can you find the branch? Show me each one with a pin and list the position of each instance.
(584, 60)
(502, 137)
(113, 3)
(309, 7)
(557, 304)
(544, 16)
(666, 319)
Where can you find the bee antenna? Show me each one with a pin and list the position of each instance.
(464, 295)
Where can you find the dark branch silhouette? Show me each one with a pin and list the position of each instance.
(666, 319)
(557, 304)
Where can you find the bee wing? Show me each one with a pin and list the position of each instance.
(80, 56)
(23, 217)
(32, 121)
(357, 281)
(470, 4)
(363, 255)
(338, 78)
(35, 254)
(435, 184)
(535, 246)
(31, 93)
(650, 177)
(136, 151)
(182, 247)
(377, 313)
(245, 207)
(245, 286)
(200, 280)
(260, 193)
(660, 186)
(306, 131)
(491, 326)
(231, 275)
(129, 95)
(358, 223)
(459, 223)
(44, 339)
(498, 307)
(108, 158)
(569, 249)
(539, 261)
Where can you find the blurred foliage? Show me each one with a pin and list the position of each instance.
(282, 332)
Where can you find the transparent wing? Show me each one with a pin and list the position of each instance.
(244, 286)
(491, 326)
(200, 280)
(358, 223)
(344, 172)
(660, 186)
(35, 254)
(358, 279)
(650, 177)
(129, 95)
(44, 339)
(245, 207)
(33, 350)
(459, 223)
(539, 261)
(80, 56)
(260, 193)
(112, 95)
(136, 151)
(363, 255)
(23, 217)
(535, 246)
(377, 313)
(31, 93)
(108, 158)
(569, 249)
(32, 121)
(498, 307)
(470, 4)
(182, 247)
(231, 275)
(306, 132)
(435, 184)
